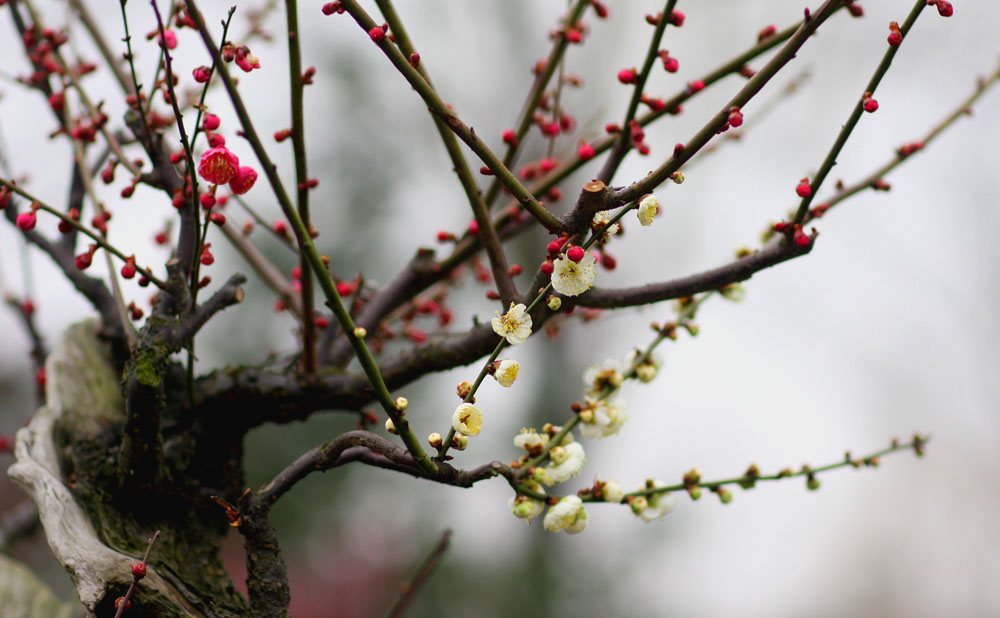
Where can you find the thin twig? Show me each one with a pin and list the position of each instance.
(852, 121)
(448, 116)
(307, 248)
(412, 587)
(101, 242)
(296, 87)
(752, 87)
(124, 602)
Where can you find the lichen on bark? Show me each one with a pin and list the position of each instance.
(75, 480)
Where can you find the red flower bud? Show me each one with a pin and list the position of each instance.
(136, 314)
(333, 7)
(128, 270)
(800, 238)
(211, 122)
(803, 189)
(26, 220)
(84, 260)
(575, 254)
(585, 151)
(735, 117)
(627, 76)
(377, 34)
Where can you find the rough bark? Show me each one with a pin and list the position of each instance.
(67, 461)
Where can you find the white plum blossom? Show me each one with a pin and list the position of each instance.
(601, 218)
(612, 491)
(608, 375)
(467, 420)
(526, 507)
(506, 372)
(568, 514)
(571, 278)
(648, 207)
(656, 505)
(606, 417)
(515, 325)
(646, 371)
(567, 462)
(531, 441)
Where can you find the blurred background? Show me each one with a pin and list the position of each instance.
(886, 328)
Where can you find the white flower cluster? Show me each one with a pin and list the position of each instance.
(566, 461)
(645, 371)
(526, 507)
(655, 506)
(568, 514)
(602, 418)
(531, 441)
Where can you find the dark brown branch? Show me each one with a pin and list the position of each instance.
(371, 449)
(740, 270)
(228, 295)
